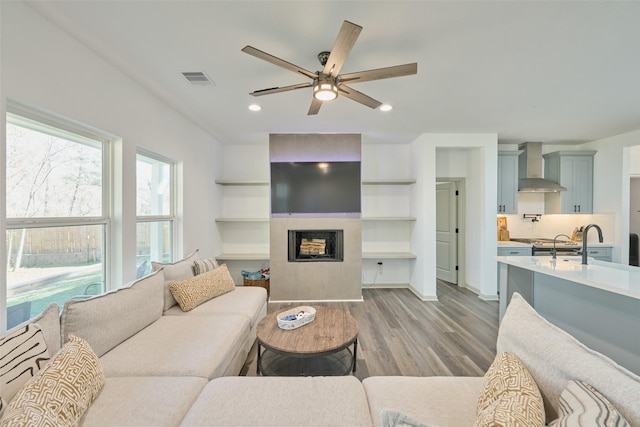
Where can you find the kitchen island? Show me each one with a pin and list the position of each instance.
(598, 303)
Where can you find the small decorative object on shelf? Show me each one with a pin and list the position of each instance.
(296, 317)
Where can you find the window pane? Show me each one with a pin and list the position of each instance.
(154, 243)
(52, 264)
(49, 175)
(153, 186)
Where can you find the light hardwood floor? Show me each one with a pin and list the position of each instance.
(401, 335)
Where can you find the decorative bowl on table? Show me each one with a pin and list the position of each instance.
(296, 317)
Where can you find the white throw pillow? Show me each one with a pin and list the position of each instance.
(23, 352)
(581, 405)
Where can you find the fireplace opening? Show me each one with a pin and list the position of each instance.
(316, 245)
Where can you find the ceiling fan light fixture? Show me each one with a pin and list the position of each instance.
(325, 90)
(386, 107)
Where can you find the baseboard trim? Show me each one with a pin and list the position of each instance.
(423, 297)
(314, 300)
(385, 286)
(490, 297)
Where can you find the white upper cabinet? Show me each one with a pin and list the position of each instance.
(574, 171)
(508, 182)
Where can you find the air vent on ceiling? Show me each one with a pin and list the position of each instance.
(197, 78)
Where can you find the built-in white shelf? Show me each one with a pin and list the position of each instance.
(245, 183)
(244, 257)
(242, 219)
(389, 182)
(388, 255)
(388, 218)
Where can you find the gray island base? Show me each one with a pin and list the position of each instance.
(598, 303)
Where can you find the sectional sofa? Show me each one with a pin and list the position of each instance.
(162, 366)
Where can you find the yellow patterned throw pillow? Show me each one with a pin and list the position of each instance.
(61, 392)
(192, 292)
(510, 396)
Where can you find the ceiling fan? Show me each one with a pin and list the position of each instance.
(328, 83)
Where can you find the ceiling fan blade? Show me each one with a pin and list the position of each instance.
(380, 73)
(360, 97)
(315, 107)
(271, 90)
(347, 37)
(277, 61)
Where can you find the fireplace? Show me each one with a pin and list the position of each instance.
(316, 246)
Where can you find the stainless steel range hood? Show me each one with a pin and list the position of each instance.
(530, 171)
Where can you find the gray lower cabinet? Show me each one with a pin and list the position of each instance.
(506, 251)
(602, 254)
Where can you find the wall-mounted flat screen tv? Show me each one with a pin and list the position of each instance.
(315, 187)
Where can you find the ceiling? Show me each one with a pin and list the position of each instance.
(557, 72)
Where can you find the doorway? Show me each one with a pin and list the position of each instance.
(450, 230)
(634, 220)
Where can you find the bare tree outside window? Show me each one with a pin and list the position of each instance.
(55, 219)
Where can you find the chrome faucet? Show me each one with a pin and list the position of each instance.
(584, 240)
(553, 252)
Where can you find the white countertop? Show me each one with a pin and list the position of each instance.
(619, 278)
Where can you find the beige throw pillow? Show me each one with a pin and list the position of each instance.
(60, 393)
(23, 352)
(192, 292)
(510, 396)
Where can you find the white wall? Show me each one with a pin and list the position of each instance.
(481, 216)
(44, 67)
(386, 162)
(611, 184)
(462, 163)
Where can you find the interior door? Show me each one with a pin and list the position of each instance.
(446, 232)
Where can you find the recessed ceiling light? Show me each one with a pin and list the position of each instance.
(255, 107)
(386, 107)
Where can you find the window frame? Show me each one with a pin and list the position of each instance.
(47, 122)
(172, 217)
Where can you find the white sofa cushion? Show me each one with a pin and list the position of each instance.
(173, 272)
(106, 320)
(281, 401)
(180, 346)
(553, 357)
(434, 401)
(143, 401)
(49, 322)
(249, 301)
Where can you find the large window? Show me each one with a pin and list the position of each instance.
(155, 210)
(56, 214)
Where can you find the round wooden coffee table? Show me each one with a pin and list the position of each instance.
(317, 348)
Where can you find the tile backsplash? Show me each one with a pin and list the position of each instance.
(551, 225)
